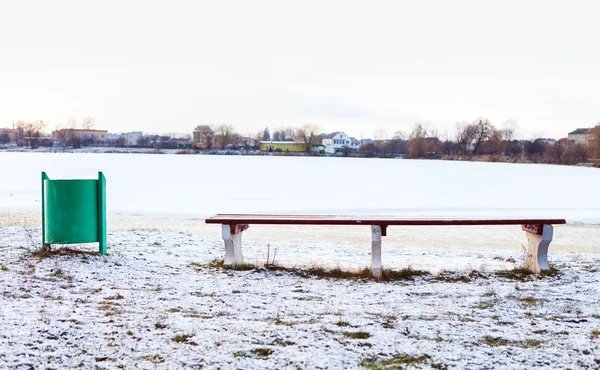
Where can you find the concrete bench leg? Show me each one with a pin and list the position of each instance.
(376, 268)
(539, 238)
(232, 236)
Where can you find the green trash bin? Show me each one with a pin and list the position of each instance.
(74, 211)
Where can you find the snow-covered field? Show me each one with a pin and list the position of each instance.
(155, 301)
(200, 185)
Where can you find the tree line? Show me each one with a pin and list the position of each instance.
(480, 139)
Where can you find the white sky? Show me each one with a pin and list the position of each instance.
(345, 65)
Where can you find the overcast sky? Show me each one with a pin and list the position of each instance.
(345, 65)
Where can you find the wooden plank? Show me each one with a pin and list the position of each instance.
(371, 220)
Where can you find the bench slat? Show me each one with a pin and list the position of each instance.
(371, 220)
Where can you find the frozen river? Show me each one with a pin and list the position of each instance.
(200, 186)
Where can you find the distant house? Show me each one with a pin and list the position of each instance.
(581, 136)
(113, 139)
(7, 135)
(181, 143)
(133, 138)
(246, 142)
(81, 137)
(204, 137)
(545, 141)
(281, 146)
(336, 141)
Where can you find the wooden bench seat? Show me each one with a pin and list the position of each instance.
(539, 232)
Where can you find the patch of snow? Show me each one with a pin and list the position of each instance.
(125, 309)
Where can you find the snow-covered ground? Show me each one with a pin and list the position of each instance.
(154, 302)
(129, 308)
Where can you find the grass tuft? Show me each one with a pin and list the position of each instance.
(553, 272)
(530, 301)
(184, 338)
(115, 297)
(407, 273)
(214, 264)
(157, 359)
(401, 361)
(520, 274)
(498, 342)
(261, 352)
(338, 273)
(357, 334)
(58, 273)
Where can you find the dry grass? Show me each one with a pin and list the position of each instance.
(262, 352)
(321, 272)
(523, 274)
(402, 361)
(356, 334)
(530, 301)
(498, 342)
(184, 339)
(64, 251)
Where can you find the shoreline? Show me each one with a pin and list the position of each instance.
(486, 158)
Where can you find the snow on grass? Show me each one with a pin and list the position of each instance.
(156, 301)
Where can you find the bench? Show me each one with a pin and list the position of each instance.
(539, 232)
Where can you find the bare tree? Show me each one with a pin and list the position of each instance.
(277, 136)
(347, 150)
(495, 143)
(66, 133)
(574, 154)
(284, 134)
(88, 123)
(483, 129)
(368, 150)
(259, 135)
(510, 129)
(309, 134)
(30, 132)
(380, 134)
(554, 152)
(465, 134)
(224, 132)
(416, 142)
(399, 135)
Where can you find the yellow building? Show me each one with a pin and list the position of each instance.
(281, 146)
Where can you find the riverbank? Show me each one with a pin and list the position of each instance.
(445, 157)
